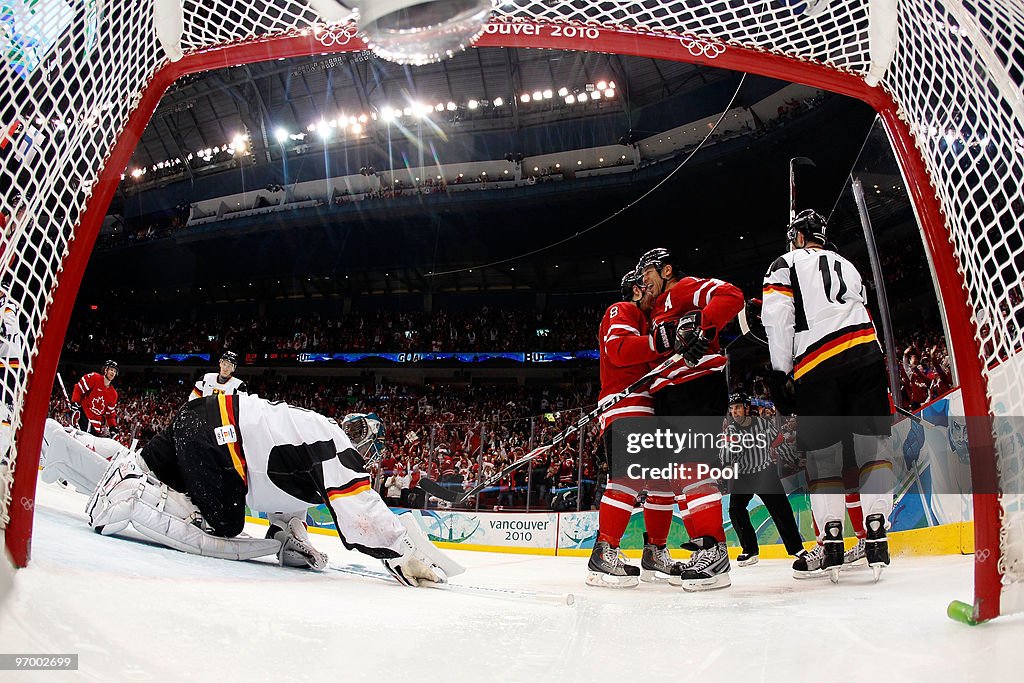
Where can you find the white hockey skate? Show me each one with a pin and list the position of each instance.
(854, 557)
(657, 565)
(709, 567)
(808, 563)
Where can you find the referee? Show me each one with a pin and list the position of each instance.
(758, 475)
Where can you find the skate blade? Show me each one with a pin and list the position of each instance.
(833, 573)
(656, 577)
(816, 574)
(709, 584)
(601, 580)
(877, 570)
(746, 563)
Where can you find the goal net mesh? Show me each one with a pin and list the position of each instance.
(75, 70)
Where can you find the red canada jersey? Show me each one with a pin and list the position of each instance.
(566, 471)
(98, 401)
(718, 301)
(626, 352)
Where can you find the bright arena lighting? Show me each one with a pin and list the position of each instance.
(281, 134)
(498, 101)
(414, 32)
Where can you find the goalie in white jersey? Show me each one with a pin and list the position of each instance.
(828, 369)
(189, 487)
(223, 382)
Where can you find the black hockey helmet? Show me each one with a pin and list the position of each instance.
(658, 257)
(739, 398)
(111, 364)
(230, 356)
(810, 224)
(629, 280)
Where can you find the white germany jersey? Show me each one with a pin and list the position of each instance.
(292, 458)
(815, 315)
(10, 335)
(210, 385)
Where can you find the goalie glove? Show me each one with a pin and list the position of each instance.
(420, 562)
(783, 392)
(296, 550)
(691, 339)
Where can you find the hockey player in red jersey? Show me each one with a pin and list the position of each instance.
(626, 352)
(686, 316)
(94, 401)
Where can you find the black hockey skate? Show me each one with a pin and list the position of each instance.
(746, 559)
(709, 567)
(608, 568)
(657, 566)
(876, 545)
(832, 543)
(808, 563)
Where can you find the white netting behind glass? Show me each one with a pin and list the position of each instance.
(956, 77)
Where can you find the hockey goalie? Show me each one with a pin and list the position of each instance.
(188, 488)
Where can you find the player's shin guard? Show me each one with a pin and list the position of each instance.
(704, 505)
(877, 480)
(658, 516)
(616, 509)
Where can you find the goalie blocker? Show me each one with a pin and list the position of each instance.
(189, 487)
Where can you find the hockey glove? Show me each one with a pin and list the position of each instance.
(691, 341)
(782, 391)
(664, 334)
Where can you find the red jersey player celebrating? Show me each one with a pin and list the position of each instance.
(685, 318)
(626, 354)
(94, 400)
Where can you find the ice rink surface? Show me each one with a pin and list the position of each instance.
(137, 612)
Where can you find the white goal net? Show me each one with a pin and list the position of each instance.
(82, 77)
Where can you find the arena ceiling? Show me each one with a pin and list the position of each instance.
(208, 110)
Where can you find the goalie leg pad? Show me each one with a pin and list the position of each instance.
(65, 457)
(161, 514)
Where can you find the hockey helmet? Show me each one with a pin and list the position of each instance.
(739, 398)
(658, 257)
(366, 432)
(230, 356)
(630, 280)
(810, 224)
(110, 364)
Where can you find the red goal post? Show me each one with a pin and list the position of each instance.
(116, 75)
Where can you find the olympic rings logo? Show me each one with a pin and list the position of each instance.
(336, 36)
(26, 503)
(702, 48)
(982, 554)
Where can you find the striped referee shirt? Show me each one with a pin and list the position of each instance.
(763, 439)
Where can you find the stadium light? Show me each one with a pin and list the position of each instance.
(472, 104)
(537, 94)
(595, 95)
(451, 106)
(569, 99)
(601, 85)
(525, 97)
(281, 134)
(498, 101)
(547, 94)
(563, 91)
(609, 93)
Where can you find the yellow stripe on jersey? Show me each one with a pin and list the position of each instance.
(226, 419)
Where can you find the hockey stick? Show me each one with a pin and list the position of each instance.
(440, 491)
(476, 591)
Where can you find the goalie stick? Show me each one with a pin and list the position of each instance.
(439, 491)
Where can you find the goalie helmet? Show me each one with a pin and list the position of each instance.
(366, 432)
(630, 280)
(810, 224)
